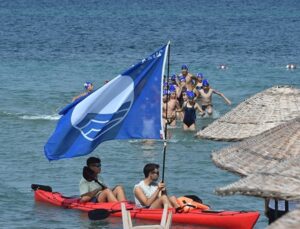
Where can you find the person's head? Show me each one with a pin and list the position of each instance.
(172, 91)
(205, 84)
(184, 69)
(200, 77)
(88, 86)
(152, 170)
(94, 163)
(88, 174)
(173, 78)
(190, 95)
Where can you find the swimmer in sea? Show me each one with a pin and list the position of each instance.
(205, 96)
(291, 66)
(89, 87)
(170, 105)
(189, 108)
(222, 66)
(187, 76)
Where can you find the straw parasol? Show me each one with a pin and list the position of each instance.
(281, 181)
(255, 115)
(267, 149)
(290, 221)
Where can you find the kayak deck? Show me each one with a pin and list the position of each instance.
(216, 219)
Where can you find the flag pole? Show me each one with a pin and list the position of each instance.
(166, 124)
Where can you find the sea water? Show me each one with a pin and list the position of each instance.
(48, 49)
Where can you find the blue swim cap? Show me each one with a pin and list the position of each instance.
(200, 75)
(87, 84)
(184, 66)
(205, 83)
(173, 77)
(172, 88)
(190, 94)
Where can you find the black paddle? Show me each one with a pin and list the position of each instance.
(41, 187)
(99, 214)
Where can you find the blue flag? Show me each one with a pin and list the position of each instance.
(127, 107)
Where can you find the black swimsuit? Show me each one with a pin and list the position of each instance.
(189, 115)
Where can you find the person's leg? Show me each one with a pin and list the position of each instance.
(106, 196)
(192, 127)
(173, 201)
(209, 110)
(185, 127)
(160, 202)
(119, 193)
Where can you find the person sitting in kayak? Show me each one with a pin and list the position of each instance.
(150, 194)
(189, 109)
(89, 87)
(205, 96)
(92, 189)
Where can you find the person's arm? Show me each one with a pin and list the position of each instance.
(183, 105)
(139, 194)
(85, 194)
(223, 96)
(196, 92)
(78, 96)
(197, 106)
(85, 197)
(178, 91)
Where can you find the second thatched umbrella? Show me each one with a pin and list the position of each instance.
(267, 149)
(281, 181)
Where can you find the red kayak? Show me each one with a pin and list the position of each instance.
(215, 219)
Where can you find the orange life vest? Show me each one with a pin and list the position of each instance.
(187, 204)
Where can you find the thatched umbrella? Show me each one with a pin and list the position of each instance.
(290, 221)
(267, 149)
(257, 114)
(281, 181)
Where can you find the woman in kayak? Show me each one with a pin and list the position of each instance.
(92, 189)
(150, 194)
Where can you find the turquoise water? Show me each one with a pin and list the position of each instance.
(48, 49)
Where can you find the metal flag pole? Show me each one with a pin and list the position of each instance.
(166, 124)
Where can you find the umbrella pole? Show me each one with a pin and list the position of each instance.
(276, 209)
(286, 206)
(166, 124)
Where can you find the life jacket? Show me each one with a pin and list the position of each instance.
(187, 204)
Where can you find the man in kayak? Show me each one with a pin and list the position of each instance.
(205, 96)
(92, 189)
(150, 194)
(89, 87)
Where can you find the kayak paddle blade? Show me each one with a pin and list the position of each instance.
(98, 214)
(42, 187)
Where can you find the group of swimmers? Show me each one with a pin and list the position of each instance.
(183, 95)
